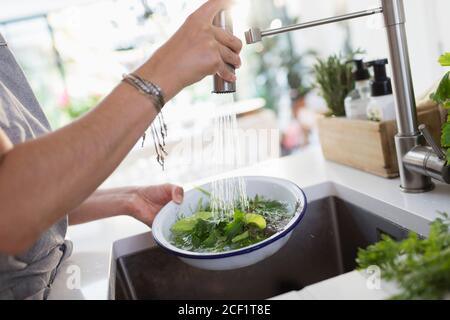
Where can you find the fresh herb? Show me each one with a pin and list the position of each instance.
(201, 232)
(335, 79)
(421, 267)
(442, 96)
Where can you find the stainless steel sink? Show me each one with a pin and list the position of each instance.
(323, 246)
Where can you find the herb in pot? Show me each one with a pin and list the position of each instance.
(335, 80)
(442, 96)
(420, 267)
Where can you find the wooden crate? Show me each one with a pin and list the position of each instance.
(368, 145)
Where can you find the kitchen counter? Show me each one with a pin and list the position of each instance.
(318, 178)
(349, 286)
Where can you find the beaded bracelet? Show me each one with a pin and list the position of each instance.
(147, 88)
(155, 93)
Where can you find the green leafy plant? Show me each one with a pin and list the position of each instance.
(335, 80)
(442, 96)
(420, 267)
(278, 56)
(201, 232)
(297, 73)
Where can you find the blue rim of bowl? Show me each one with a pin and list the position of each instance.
(246, 250)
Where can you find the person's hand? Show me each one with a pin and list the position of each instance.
(196, 50)
(144, 203)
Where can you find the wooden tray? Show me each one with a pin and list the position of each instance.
(368, 145)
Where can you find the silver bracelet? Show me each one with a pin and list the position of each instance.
(154, 92)
(147, 88)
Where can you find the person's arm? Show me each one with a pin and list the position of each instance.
(142, 203)
(43, 179)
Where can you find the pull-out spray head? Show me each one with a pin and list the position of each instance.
(223, 20)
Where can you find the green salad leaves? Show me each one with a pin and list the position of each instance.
(442, 96)
(420, 267)
(201, 232)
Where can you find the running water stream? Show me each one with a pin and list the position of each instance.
(230, 193)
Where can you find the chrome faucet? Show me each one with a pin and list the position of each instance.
(417, 163)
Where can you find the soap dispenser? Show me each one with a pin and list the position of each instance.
(358, 100)
(382, 104)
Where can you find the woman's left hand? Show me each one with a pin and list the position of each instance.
(145, 202)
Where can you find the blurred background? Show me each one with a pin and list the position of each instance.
(75, 51)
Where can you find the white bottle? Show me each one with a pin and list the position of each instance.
(381, 108)
(358, 100)
(382, 104)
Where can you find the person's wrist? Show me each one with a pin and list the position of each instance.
(127, 199)
(153, 71)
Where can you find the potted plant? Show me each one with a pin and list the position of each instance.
(442, 96)
(296, 134)
(297, 73)
(335, 81)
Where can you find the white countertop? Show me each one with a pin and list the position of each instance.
(319, 178)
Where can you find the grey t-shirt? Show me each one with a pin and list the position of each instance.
(28, 275)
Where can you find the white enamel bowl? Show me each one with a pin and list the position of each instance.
(270, 188)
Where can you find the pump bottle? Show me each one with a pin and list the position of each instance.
(382, 104)
(358, 100)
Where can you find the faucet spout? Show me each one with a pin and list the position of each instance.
(408, 137)
(255, 35)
